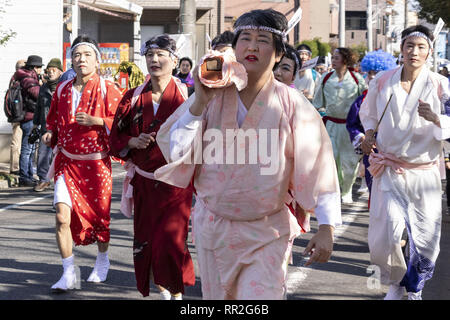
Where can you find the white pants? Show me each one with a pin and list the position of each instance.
(61, 192)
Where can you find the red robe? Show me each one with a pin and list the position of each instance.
(89, 182)
(161, 211)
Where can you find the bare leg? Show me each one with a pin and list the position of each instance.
(102, 246)
(63, 233)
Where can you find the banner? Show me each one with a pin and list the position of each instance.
(112, 54)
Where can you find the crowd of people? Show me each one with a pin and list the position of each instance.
(387, 115)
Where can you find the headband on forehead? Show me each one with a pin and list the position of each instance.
(92, 46)
(146, 46)
(305, 50)
(297, 63)
(221, 45)
(263, 28)
(420, 35)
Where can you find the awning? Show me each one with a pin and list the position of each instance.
(117, 8)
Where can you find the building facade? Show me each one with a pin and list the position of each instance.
(33, 36)
(317, 16)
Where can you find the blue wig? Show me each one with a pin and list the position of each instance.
(378, 61)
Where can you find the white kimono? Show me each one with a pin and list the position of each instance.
(410, 197)
(306, 82)
(337, 97)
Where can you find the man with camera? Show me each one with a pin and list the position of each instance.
(29, 77)
(53, 73)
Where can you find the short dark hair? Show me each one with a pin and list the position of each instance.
(348, 56)
(85, 38)
(418, 28)
(185, 59)
(162, 41)
(225, 38)
(292, 54)
(264, 18)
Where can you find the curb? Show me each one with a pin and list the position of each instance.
(8, 180)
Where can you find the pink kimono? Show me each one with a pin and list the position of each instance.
(243, 228)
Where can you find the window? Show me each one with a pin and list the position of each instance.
(356, 20)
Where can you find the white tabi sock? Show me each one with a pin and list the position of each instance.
(69, 278)
(165, 295)
(395, 292)
(363, 188)
(101, 268)
(415, 295)
(68, 263)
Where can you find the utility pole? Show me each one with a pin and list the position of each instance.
(369, 26)
(341, 23)
(406, 14)
(188, 15)
(75, 26)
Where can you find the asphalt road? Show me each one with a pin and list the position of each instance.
(30, 262)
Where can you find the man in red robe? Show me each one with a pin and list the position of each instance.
(161, 211)
(80, 116)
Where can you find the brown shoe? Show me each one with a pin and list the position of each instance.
(41, 186)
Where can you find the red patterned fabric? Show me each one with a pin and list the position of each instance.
(161, 211)
(89, 182)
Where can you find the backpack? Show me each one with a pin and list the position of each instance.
(14, 102)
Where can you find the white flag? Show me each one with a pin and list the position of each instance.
(294, 20)
(209, 39)
(309, 64)
(438, 28)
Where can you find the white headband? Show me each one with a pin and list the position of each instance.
(296, 61)
(92, 46)
(420, 35)
(305, 50)
(221, 44)
(145, 48)
(263, 28)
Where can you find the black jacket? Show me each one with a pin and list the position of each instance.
(43, 106)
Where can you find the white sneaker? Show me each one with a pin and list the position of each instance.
(347, 199)
(68, 281)
(415, 295)
(165, 295)
(178, 297)
(363, 188)
(395, 293)
(100, 272)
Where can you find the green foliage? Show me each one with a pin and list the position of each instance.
(318, 48)
(359, 50)
(5, 36)
(432, 10)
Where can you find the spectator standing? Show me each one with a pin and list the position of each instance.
(53, 71)
(29, 81)
(16, 138)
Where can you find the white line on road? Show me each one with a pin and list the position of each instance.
(297, 277)
(16, 205)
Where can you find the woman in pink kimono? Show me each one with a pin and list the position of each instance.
(243, 229)
(406, 189)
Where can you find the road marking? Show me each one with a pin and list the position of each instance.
(298, 274)
(16, 205)
(20, 204)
